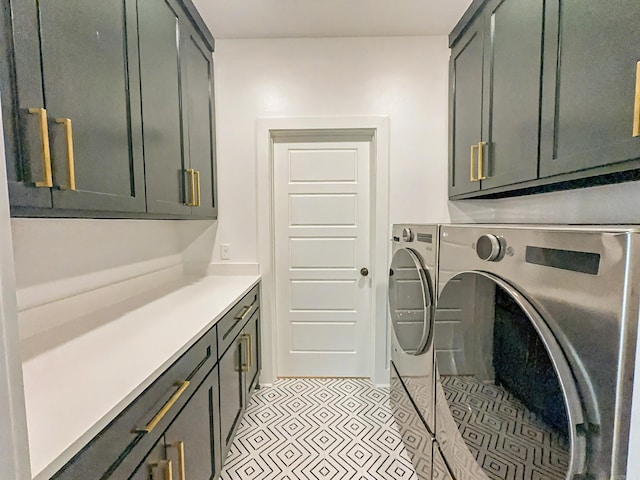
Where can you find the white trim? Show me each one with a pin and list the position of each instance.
(380, 226)
(14, 446)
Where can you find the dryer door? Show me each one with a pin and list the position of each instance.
(507, 404)
(410, 302)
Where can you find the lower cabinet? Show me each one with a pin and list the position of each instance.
(239, 369)
(182, 426)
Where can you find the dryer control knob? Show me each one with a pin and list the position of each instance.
(407, 234)
(488, 247)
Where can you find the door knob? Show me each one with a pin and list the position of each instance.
(364, 272)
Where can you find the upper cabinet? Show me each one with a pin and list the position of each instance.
(176, 70)
(591, 103)
(96, 109)
(543, 95)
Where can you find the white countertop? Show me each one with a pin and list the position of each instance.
(77, 378)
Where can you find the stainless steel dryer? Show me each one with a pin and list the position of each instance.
(535, 334)
(412, 287)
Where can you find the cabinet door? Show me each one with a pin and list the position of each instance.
(465, 109)
(252, 346)
(511, 99)
(231, 394)
(198, 98)
(192, 440)
(590, 62)
(21, 90)
(89, 74)
(161, 26)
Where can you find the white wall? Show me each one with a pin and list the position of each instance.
(402, 77)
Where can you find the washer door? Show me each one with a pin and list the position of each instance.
(410, 302)
(507, 404)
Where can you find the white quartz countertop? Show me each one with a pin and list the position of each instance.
(78, 377)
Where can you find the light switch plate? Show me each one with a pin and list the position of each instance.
(225, 251)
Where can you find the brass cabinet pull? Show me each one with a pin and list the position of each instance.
(250, 350)
(68, 128)
(182, 386)
(244, 313)
(197, 175)
(636, 109)
(181, 469)
(46, 151)
(244, 367)
(192, 182)
(471, 169)
(481, 175)
(166, 464)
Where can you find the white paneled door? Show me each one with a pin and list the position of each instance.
(321, 196)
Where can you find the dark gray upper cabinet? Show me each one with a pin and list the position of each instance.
(84, 55)
(161, 23)
(494, 97)
(176, 68)
(200, 122)
(560, 101)
(511, 97)
(81, 81)
(465, 109)
(592, 50)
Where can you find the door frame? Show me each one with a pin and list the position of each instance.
(269, 129)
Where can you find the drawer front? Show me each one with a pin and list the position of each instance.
(233, 322)
(139, 426)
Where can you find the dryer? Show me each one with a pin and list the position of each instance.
(535, 334)
(412, 296)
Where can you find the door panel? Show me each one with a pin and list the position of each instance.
(161, 106)
(231, 394)
(511, 106)
(591, 53)
(322, 241)
(465, 109)
(199, 103)
(90, 75)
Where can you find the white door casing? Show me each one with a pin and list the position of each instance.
(322, 241)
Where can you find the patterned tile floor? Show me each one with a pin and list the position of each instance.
(318, 429)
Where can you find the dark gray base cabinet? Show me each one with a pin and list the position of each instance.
(79, 78)
(543, 96)
(185, 421)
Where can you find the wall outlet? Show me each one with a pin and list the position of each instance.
(225, 251)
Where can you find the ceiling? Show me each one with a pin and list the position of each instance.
(329, 18)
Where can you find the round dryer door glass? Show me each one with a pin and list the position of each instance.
(507, 404)
(410, 302)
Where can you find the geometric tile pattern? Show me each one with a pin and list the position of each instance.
(318, 429)
(507, 440)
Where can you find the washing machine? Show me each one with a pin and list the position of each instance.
(534, 339)
(412, 297)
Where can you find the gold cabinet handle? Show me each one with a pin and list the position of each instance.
(244, 313)
(166, 464)
(192, 183)
(182, 386)
(68, 128)
(197, 175)
(244, 367)
(636, 109)
(250, 349)
(471, 169)
(481, 175)
(46, 151)
(181, 469)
